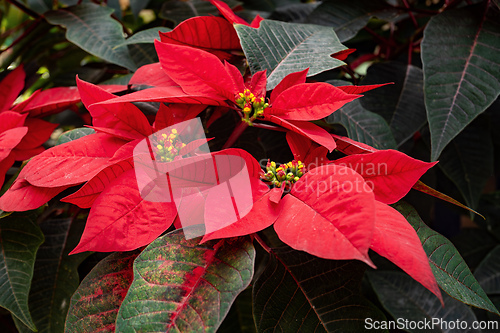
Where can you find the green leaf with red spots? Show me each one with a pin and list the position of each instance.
(95, 303)
(182, 286)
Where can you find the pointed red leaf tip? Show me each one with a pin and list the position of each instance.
(124, 117)
(395, 239)
(119, 222)
(350, 147)
(45, 103)
(228, 13)
(361, 89)
(307, 129)
(342, 55)
(309, 101)
(390, 173)
(258, 84)
(11, 87)
(23, 196)
(213, 34)
(329, 213)
(196, 71)
(9, 139)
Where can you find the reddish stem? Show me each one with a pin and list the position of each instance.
(412, 17)
(24, 34)
(236, 134)
(262, 243)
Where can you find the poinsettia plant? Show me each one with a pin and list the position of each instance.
(222, 166)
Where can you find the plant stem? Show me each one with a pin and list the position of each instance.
(236, 134)
(25, 9)
(262, 243)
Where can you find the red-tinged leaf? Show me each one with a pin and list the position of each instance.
(235, 75)
(71, 163)
(124, 152)
(51, 101)
(95, 303)
(88, 193)
(307, 129)
(196, 71)
(123, 116)
(227, 12)
(11, 119)
(350, 147)
(25, 154)
(167, 95)
(256, 21)
(342, 55)
(262, 214)
(390, 173)
(152, 75)
(361, 89)
(205, 32)
(176, 113)
(119, 222)
(309, 101)
(395, 239)
(117, 133)
(420, 186)
(258, 84)
(289, 81)
(39, 131)
(191, 288)
(300, 148)
(276, 193)
(5, 165)
(330, 213)
(23, 196)
(11, 86)
(9, 139)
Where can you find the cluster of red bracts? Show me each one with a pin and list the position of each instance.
(335, 209)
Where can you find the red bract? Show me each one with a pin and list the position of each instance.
(213, 34)
(195, 76)
(20, 137)
(120, 217)
(338, 209)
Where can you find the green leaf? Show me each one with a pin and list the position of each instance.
(488, 272)
(405, 298)
(363, 125)
(401, 104)
(95, 303)
(146, 36)
(298, 292)
(461, 62)
(137, 5)
(91, 27)
(240, 319)
(56, 276)
(20, 238)
(183, 286)
(451, 272)
(347, 17)
(294, 12)
(283, 48)
(180, 10)
(468, 160)
(40, 6)
(74, 134)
